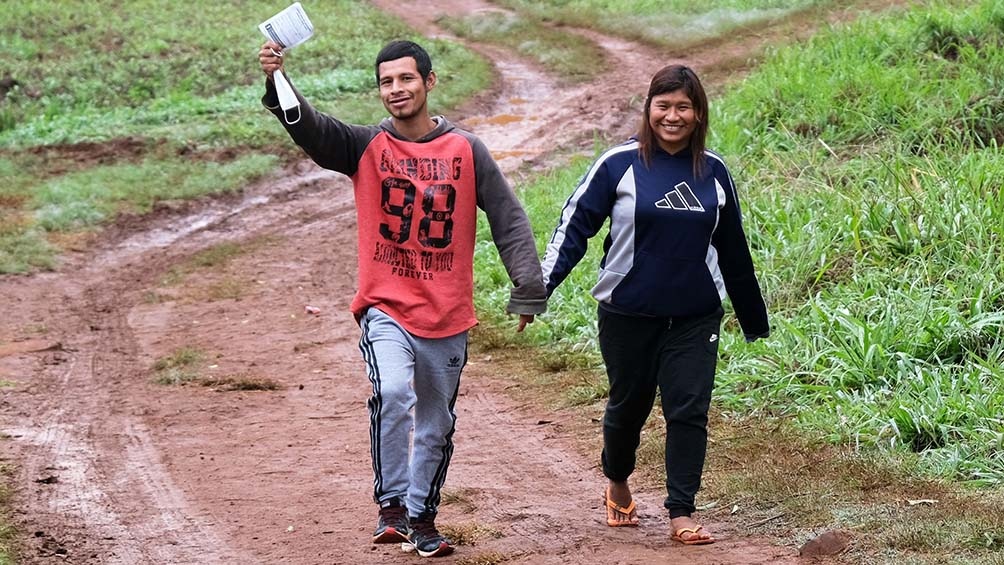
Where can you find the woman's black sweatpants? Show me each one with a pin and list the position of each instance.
(678, 357)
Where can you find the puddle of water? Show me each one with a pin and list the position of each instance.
(504, 119)
(510, 127)
(503, 155)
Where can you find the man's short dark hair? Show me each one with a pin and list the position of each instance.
(401, 48)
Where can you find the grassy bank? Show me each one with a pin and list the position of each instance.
(873, 169)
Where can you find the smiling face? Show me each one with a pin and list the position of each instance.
(402, 89)
(673, 120)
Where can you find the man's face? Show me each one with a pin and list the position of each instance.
(402, 90)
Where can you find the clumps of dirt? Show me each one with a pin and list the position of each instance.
(62, 158)
(288, 154)
(7, 83)
(239, 382)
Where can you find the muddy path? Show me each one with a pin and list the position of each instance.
(112, 468)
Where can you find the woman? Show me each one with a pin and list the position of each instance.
(676, 248)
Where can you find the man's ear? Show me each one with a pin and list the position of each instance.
(430, 81)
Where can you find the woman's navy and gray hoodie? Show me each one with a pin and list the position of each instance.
(676, 245)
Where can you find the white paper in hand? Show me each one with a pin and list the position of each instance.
(288, 28)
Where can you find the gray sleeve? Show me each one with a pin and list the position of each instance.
(331, 143)
(511, 233)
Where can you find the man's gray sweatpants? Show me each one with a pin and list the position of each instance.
(415, 382)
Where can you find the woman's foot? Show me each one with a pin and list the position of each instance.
(688, 532)
(621, 510)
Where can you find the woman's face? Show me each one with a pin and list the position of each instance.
(672, 118)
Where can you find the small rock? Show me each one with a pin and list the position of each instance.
(831, 542)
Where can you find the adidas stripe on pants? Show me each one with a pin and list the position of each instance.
(415, 382)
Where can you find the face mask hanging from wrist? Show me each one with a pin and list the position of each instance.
(287, 98)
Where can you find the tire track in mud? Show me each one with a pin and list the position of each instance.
(97, 465)
(100, 490)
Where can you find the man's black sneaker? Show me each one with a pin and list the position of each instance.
(424, 538)
(392, 525)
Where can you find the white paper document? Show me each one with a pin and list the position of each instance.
(288, 28)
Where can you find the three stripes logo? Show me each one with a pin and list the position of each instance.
(680, 198)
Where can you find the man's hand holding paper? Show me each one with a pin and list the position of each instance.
(270, 57)
(284, 30)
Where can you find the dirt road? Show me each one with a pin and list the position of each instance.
(112, 468)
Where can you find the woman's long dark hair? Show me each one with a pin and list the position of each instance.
(670, 79)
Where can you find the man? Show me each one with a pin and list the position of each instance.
(418, 182)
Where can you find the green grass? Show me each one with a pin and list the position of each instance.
(490, 558)
(119, 105)
(214, 257)
(870, 158)
(239, 382)
(181, 366)
(557, 50)
(469, 534)
(96, 195)
(782, 483)
(869, 166)
(186, 365)
(544, 31)
(149, 69)
(25, 251)
(8, 550)
(672, 23)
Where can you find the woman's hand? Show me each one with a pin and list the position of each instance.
(524, 319)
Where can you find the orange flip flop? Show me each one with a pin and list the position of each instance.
(695, 539)
(620, 516)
